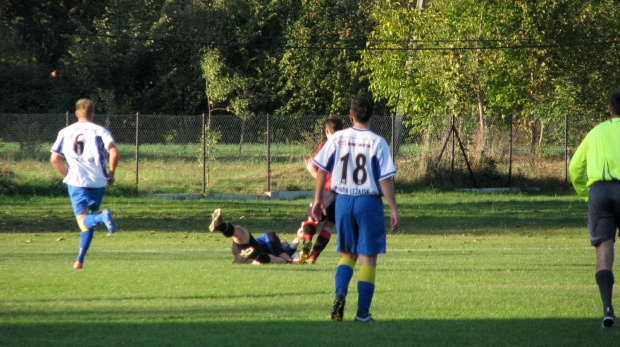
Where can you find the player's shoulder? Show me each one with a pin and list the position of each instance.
(98, 127)
(372, 136)
(86, 125)
(609, 123)
(603, 128)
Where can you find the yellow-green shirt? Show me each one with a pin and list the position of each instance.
(597, 158)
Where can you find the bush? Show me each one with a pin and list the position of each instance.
(7, 179)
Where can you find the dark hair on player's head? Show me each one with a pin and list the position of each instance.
(334, 123)
(362, 107)
(614, 102)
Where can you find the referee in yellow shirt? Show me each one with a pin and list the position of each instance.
(595, 173)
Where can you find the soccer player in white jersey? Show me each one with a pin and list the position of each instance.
(82, 144)
(362, 171)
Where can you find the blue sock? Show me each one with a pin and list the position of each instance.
(344, 273)
(365, 292)
(85, 239)
(92, 219)
(365, 289)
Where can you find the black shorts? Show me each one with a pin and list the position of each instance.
(329, 201)
(246, 253)
(603, 211)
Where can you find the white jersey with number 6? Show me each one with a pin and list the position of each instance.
(357, 159)
(82, 144)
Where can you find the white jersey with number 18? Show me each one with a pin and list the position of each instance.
(357, 159)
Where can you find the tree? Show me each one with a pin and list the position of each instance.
(226, 89)
(138, 57)
(231, 66)
(564, 72)
(32, 76)
(516, 57)
(317, 68)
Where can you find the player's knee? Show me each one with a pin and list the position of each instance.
(309, 228)
(80, 222)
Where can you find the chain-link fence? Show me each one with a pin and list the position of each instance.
(172, 153)
(510, 153)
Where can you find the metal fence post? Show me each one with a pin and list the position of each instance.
(510, 150)
(566, 148)
(392, 140)
(137, 146)
(204, 156)
(67, 119)
(453, 146)
(268, 153)
(213, 143)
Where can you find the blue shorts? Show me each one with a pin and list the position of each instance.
(83, 199)
(361, 224)
(272, 241)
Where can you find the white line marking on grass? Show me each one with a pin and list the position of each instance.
(390, 250)
(176, 251)
(418, 250)
(434, 249)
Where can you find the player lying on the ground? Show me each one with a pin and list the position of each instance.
(265, 249)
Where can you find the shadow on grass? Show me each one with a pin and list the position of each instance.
(491, 215)
(177, 332)
(443, 214)
(446, 179)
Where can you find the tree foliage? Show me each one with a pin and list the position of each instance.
(480, 59)
(317, 72)
(138, 58)
(32, 76)
(535, 59)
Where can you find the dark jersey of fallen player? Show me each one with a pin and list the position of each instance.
(257, 248)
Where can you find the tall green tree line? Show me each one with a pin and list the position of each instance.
(153, 56)
(537, 60)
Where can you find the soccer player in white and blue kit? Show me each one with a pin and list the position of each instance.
(82, 145)
(362, 171)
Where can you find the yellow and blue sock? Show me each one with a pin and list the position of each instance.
(365, 289)
(344, 273)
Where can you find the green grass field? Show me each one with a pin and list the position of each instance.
(464, 269)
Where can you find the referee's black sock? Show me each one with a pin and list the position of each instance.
(605, 281)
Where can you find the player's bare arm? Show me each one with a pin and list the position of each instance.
(317, 207)
(59, 164)
(312, 169)
(387, 187)
(113, 161)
